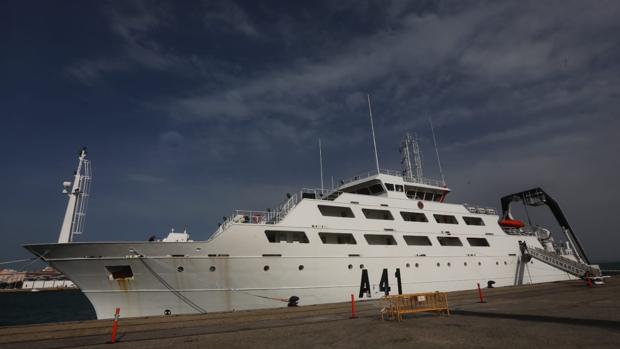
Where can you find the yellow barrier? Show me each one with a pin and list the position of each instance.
(399, 305)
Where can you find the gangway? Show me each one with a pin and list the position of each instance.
(572, 267)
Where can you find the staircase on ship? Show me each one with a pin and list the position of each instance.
(567, 265)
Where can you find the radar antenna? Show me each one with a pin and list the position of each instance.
(78, 192)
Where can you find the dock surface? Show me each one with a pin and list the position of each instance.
(553, 315)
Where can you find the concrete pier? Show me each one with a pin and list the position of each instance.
(555, 315)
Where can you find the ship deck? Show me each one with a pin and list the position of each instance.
(561, 314)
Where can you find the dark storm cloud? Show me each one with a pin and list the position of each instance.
(201, 107)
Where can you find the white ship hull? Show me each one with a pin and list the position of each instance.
(240, 282)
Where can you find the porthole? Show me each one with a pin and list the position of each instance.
(361, 266)
(449, 264)
(479, 263)
(265, 268)
(417, 265)
(301, 267)
(505, 263)
(350, 266)
(496, 263)
(180, 269)
(408, 265)
(438, 264)
(532, 262)
(167, 312)
(211, 268)
(465, 263)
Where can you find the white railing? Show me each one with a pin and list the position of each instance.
(517, 231)
(410, 179)
(276, 215)
(480, 209)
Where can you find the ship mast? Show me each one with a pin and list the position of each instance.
(78, 192)
(408, 146)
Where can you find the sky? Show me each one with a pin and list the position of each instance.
(191, 109)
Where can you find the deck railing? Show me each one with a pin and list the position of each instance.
(410, 179)
(480, 209)
(276, 215)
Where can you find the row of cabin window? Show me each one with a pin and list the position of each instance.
(277, 236)
(346, 212)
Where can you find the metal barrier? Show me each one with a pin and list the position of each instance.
(399, 305)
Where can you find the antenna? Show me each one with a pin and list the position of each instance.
(321, 163)
(443, 180)
(372, 127)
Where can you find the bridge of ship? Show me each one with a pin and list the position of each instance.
(388, 183)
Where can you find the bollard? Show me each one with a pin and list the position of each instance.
(115, 326)
(353, 313)
(480, 294)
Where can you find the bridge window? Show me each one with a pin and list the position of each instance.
(277, 236)
(117, 272)
(445, 219)
(449, 241)
(378, 214)
(336, 211)
(417, 240)
(376, 239)
(337, 238)
(473, 220)
(363, 191)
(376, 189)
(413, 216)
(478, 242)
(400, 188)
(371, 190)
(389, 186)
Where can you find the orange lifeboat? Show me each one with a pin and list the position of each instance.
(511, 223)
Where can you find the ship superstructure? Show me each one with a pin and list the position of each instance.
(394, 226)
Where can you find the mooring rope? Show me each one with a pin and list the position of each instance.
(19, 260)
(172, 289)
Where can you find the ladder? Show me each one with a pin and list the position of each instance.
(572, 267)
(83, 193)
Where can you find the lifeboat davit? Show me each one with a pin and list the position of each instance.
(512, 223)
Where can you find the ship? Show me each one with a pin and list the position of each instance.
(378, 233)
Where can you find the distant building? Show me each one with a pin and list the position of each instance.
(10, 278)
(47, 278)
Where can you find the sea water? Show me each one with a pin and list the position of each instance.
(21, 308)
